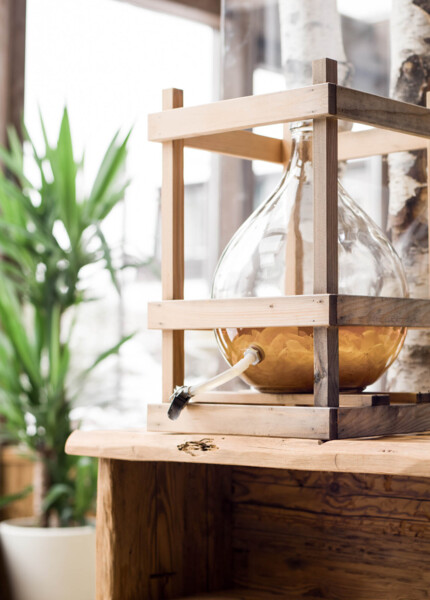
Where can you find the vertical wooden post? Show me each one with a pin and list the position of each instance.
(325, 157)
(164, 530)
(126, 535)
(172, 249)
(12, 64)
(428, 194)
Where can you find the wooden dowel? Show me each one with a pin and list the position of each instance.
(326, 339)
(172, 249)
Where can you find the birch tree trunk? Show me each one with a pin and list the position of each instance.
(310, 29)
(410, 78)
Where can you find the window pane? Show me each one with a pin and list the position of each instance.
(108, 61)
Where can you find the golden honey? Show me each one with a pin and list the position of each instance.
(364, 355)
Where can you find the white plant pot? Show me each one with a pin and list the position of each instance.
(49, 563)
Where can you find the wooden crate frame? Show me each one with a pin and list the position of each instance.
(219, 127)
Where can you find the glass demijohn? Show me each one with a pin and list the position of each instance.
(272, 255)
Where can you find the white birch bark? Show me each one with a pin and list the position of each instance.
(410, 78)
(310, 29)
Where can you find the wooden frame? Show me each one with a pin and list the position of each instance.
(219, 127)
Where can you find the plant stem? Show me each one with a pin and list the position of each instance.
(41, 485)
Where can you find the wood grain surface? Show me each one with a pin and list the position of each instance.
(240, 113)
(383, 420)
(399, 455)
(242, 144)
(254, 397)
(368, 310)
(370, 109)
(351, 144)
(316, 310)
(258, 420)
(241, 312)
(325, 205)
(184, 531)
(159, 529)
(332, 536)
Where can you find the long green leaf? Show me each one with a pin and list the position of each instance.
(64, 170)
(11, 317)
(107, 176)
(5, 500)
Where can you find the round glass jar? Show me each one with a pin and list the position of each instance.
(272, 255)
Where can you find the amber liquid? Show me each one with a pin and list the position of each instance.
(364, 354)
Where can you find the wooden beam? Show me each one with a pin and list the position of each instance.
(293, 421)
(405, 455)
(428, 193)
(383, 420)
(325, 166)
(125, 552)
(172, 249)
(254, 397)
(207, 12)
(306, 311)
(12, 64)
(370, 109)
(351, 144)
(233, 419)
(241, 144)
(241, 113)
(374, 142)
(387, 312)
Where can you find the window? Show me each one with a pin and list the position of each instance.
(108, 61)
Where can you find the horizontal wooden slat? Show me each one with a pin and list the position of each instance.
(383, 420)
(404, 455)
(242, 113)
(245, 312)
(242, 144)
(293, 421)
(361, 107)
(373, 142)
(367, 310)
(352, 144)
(277, 421)
(202, 125)
(305, 311)
(253, 397)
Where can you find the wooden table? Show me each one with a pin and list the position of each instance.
(241, 518)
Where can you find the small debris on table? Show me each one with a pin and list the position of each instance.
(204, 445)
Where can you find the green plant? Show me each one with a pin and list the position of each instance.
(48, 235)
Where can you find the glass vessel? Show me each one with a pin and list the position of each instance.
(272, 255)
